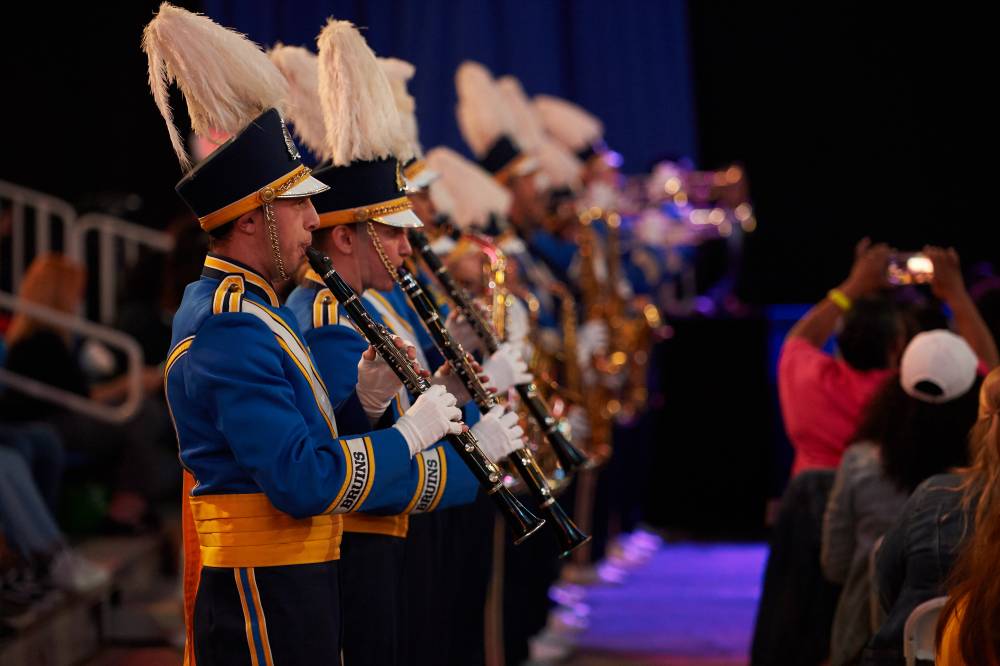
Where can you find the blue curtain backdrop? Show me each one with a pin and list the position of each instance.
(627, 61)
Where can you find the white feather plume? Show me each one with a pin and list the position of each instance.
(482, 115)
(399, 72)
(558, 166)
(473, 191)
(301, 70)
(442, 200)
(225, 78)
(568, 123)
(528, 129)
(358, 108)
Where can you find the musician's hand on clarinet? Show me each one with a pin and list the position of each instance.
(499, 433)
(377, 382)
(462, 332)
(448, 378)
(506, 369)
(432, 416)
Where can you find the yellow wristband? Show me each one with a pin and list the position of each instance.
(840, 299)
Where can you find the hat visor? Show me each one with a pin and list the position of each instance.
(406, 219)
(443, 246)
(421, 180)
(304, 188)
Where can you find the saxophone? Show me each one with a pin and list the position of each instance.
(635, 332)
(560, 459)
(599, 398)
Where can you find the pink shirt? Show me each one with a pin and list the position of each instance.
(821, 402)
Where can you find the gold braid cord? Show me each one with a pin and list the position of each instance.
(380, 251)
(267, 196)
(272, 234)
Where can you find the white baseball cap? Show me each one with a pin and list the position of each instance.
(937, 366)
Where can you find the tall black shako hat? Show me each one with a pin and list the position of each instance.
(362, 142)
(486, 124)
(230, 87)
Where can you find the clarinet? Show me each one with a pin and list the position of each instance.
(523, 523)
(569, 535)
(570, 458)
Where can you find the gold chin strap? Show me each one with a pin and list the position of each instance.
(272, 234)
(267, 196)
(380, 251)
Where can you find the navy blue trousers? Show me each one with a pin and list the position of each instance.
(371, 581)
(261, 616)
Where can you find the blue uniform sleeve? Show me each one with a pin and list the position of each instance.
(440, 483)
(555, 252)
(337, 350)
(253, 404)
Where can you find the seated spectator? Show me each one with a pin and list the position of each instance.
(968, 625)
(920, 549)
(42, 448)
(30, 530)
(133, 451)
(822, 396)
(915, 427)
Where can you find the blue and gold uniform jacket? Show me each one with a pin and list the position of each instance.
(337, 347)
(258, 432)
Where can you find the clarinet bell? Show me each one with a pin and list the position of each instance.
(570, 458)
(569, 535)
(522, 522)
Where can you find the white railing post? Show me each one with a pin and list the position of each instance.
(133, 355)
(115, 236)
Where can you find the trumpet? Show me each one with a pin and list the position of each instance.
(569, 535)
(523, 523)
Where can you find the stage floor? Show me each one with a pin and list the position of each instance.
(690, 604)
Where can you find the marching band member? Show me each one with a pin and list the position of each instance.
(269, 469)
(363, 220)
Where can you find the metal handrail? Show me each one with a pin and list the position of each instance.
(133, 354)
(45, 207)
(109, 229)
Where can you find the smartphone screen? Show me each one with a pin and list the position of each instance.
(910, 268)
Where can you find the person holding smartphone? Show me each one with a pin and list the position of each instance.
(822, 395)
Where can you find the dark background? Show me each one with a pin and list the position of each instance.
(851, 119)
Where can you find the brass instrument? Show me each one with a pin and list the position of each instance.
(599, 400)
(636, 332)
(561, 458)
(633, 330)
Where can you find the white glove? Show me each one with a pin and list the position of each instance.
(461, 330)
(506, 368)
(592, 338)
(377, 383)
(432, 416)
(498, 433)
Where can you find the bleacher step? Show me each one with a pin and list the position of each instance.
(73, 631)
